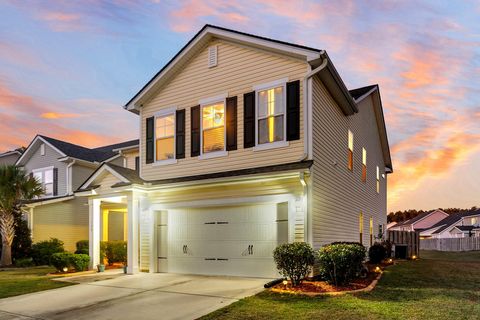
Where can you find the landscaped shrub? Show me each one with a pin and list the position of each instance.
(24, 263)
(61, 260)
(388, 248)
(116, 251)
(79, 261)
(339, 263)
(82, 247)
(43, 251)
(294, 260)
(377, 253)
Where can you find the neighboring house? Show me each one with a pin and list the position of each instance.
(10, 157)
(421, 222)
(246, 143)
(62, 167)
(458, 225)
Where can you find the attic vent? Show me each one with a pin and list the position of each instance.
(212, 56)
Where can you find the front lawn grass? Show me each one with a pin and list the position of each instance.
(437, 286)
(17, 281)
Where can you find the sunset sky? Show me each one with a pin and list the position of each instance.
(66, 70)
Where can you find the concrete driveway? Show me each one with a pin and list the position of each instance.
(142, 296)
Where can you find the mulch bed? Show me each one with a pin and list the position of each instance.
(310, 286)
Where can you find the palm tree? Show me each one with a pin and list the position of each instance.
(15, 187)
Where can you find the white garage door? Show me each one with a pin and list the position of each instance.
(235, 240)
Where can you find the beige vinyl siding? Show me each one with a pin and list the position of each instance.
(338, 194)
(130, 158)
(105, 182)
(119, 161)
(239, 69)
(79, 175)
(67, 221)
(50, 159)
(229, 190)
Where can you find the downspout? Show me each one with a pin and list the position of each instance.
(307, 119)
(70, 177)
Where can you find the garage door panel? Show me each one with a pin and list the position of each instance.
(234, 240)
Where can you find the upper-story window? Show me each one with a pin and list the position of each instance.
(165, 137)
(42, 149)
(271, 115)
(364, 165)
(45, 177)
(350, 150)
(213, 127)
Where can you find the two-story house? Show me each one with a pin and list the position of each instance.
(10, 157)
(246, 143)
(61, 168)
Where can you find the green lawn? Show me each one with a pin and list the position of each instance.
(14, 282)
(437, 286)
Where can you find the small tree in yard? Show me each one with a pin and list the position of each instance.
(294, 260)
(15, 186)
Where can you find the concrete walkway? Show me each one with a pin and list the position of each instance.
(142, 296)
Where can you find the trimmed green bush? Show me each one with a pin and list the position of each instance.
(61, 260)
(294, 260)
(80, 261)
(116, 251)
(340, 263)
(82, 247)
(377, 253)
(24, 263)
(42, 251)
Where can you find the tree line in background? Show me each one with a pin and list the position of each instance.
(400, 216)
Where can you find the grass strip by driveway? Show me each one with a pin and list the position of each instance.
(17, 281)
(438, 286)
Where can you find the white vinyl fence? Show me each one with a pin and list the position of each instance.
(451, 244)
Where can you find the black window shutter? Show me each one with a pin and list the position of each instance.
(231, 122)
(55, 181)
(249, 120)
(293, 110)
(137, 164)
(149, 140)
(195, 131)
(180, 134)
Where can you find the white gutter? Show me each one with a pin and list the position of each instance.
(307, 119)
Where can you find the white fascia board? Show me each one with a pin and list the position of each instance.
(30, 146)
(102, 169)
(48, 201)
(307, 54)
(366, 94)
(136, 146)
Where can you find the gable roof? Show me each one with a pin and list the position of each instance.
(420, 217)
(361, 93)
(125, 175)
(465, 228)
(67, 149)
(315, 57)
(453, 219)
(18, 151)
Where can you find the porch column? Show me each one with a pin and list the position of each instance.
(94, 232)
(133, 205)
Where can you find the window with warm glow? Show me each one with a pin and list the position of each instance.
(271, 118)
(165, 137)
(360, 226)
(213, 127)
(474, 221)
(364, 165)
(45, 178)
(378, 179)
(350, 150)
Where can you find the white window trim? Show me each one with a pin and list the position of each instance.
(160, 114)
(276, 144)
(208, 102)
(211, 100)
(43, 184)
